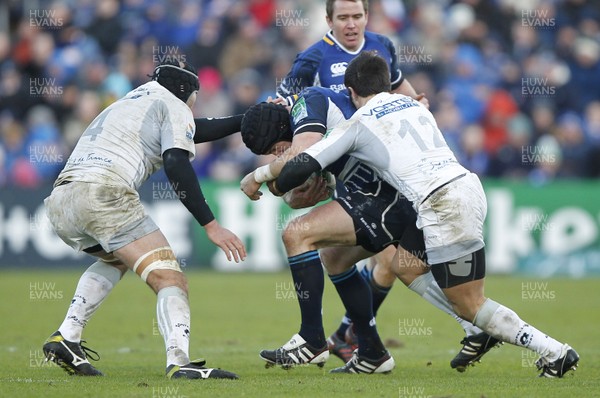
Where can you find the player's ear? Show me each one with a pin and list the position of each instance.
(355, 98)
(352, 93)
(329, 21)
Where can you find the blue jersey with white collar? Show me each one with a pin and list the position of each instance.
(318, 110)
(324, 63)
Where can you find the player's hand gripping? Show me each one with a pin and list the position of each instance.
(226, 240)
(310, 193)
(250, 187)
(422, 99)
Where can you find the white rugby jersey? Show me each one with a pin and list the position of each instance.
(315, 110)
(399, 138)
(124, 144)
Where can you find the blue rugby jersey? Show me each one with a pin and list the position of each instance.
(324, 63)
(318, 110)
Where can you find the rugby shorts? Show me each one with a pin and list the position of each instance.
(85, 215)
(381, 216)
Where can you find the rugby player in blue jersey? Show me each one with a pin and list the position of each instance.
(398, 138)
(363, 219)
(324, 63)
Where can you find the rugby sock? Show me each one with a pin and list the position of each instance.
(378, 292)
(173, 313)
(356, 296)
(344, 324)
(346, 320)
(308, 277)
(504, 324)
(93, 287)
(426, 287)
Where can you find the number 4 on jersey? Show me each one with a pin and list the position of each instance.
(96, 127)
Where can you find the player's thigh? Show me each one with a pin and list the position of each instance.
(385, 258)
(407, 267)
(452, 220)
(379, 217)
(323, 226)
(131, 252)
(410, 259)
(153, 260)
(338, 259)
(384, 269)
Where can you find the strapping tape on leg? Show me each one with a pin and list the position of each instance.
(160, 258)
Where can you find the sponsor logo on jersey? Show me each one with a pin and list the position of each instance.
(338, 87)
(338, 69)
(299, 111)
(393, 106)
(189, 132)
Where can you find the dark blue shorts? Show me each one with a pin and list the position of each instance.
(382, 217)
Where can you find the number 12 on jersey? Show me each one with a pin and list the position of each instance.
(437, 140)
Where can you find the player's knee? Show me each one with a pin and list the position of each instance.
(408, 264)
(383, 274)
(410, 269)
(121, 267)
(384, 266)
(159, 268)
(467, 307)
(296, 234)
(109, 259)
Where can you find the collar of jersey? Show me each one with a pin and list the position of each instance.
(329, 36)
(373, 101)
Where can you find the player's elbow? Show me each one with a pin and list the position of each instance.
(173, 160)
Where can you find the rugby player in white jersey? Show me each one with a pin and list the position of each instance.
(365, 214)
(399, 138)
(94, 207)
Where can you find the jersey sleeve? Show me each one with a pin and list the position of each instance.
(396, 74)
(338, 142)
(309, 113)
(302, 74)
(177, 129)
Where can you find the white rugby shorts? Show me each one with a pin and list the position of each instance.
(87, 214)
(452, 219)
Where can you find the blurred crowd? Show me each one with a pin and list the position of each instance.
(513, 84)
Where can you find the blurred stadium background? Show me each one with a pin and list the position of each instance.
(514, 85)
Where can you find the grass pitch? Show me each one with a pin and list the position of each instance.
(234, 316)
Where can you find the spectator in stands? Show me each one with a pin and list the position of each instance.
(475, 48)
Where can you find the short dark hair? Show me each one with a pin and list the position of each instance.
(368, 74)
(329, 6)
